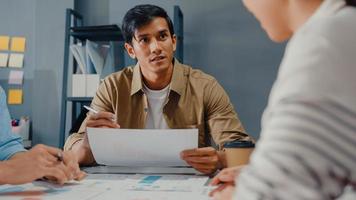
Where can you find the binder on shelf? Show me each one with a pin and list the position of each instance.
(85, 85)
(92, 84)
(78, 85)
(90, 59)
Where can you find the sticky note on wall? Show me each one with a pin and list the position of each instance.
(16, 77)
(15, 96)
(3, 59)
(4, 42)
(16, 60)
(18, 44)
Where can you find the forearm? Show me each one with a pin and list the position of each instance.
(221, 118)
(5, 172)
(16, 155)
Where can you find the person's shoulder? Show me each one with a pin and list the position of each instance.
(196, 74)
(342, 21)
(124, 74)
(335, 29)
(325, 35)
(319, 59)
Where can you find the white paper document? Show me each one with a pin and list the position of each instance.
(141, 147)
(102, 169)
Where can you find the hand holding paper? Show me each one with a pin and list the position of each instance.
(101, 119)
(141, 147)
(206, 160)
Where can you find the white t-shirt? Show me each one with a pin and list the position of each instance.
(156, 101)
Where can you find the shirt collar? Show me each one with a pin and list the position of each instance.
(177, 82)
(136, 84)
(179, 77)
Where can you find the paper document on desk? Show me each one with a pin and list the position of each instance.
(141, 147)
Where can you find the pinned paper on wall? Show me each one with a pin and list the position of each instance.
(15, 96)
(4, 42)
(3, 59)
(16, 60)
(18, 44)
(16, 77)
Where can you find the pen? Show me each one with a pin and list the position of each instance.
(96, 112)
(59, 156)
(91, 109)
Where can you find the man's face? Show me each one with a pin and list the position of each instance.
(153, 46)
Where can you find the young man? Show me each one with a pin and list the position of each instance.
(19, 166)
(308, 140)
(160, 93)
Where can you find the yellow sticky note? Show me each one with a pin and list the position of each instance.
(4, 42)
(18, 44)
(15, 96)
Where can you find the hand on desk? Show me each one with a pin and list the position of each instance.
(225, 180)
(96, 120)
(206, 160)
(225, 194)
(41, 161)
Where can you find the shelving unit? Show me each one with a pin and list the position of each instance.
(179, 31)
(75, 32)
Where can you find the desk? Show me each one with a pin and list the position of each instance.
(122, 187)
(115, 186)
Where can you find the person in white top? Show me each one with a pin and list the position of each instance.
(307, 148)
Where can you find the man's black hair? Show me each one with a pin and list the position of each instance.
(141, 15)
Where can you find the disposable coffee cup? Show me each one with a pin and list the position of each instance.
(238, 152)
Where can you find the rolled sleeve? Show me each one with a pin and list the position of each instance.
(72, 139)
(223, 121)
(75, 137)
(10, 146)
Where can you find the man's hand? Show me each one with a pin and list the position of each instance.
(226, 178)
(99, 120)
(41, 161)
(102, 120)
(206, 160)
(71, 162)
